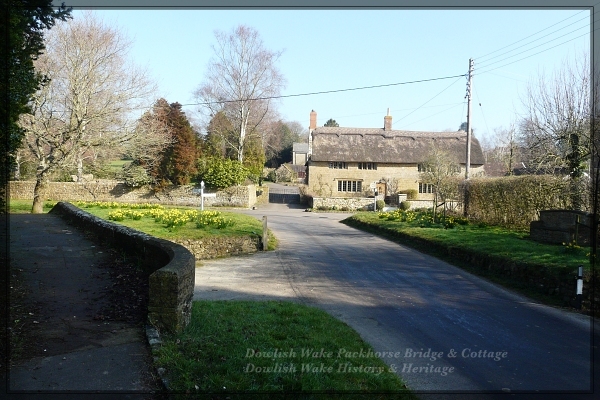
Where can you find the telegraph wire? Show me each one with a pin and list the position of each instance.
(540, 45)
(432, 115)
(401, 109)
(327, 91)
(521, 59)
(421, 106)
(484, 120)
(533, 34)
(510, 51)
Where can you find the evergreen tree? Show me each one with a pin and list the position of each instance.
(180, 164)
(178, 161)
(331, 122)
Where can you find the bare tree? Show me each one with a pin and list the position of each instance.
(504, 148)
(555, 130)
(439, 171)
(88, 100)
(151, 137)
(242, 80)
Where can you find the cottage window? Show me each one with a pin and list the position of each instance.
(426, 188)
(338, 165)
(349, 186)
(367, 165)
(424, 168)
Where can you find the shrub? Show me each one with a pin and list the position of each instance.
(380, 205)
(221, 173)
(135, 176)
(405, 205)
(411, 194)
(306, 197)
(272, 176)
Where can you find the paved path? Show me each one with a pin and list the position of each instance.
(405, 302)
(71, 349)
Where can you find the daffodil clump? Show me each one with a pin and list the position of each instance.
(172, 218)
(212, 218)
(423, 218)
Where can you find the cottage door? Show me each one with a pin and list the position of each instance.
(381, 189)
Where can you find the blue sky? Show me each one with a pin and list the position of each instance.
(328, 50)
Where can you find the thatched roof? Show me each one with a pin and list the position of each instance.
(391, 146)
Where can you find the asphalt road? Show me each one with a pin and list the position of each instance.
(440, 327)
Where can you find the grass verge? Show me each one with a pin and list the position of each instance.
(271, 346)
(495, 253)
(240, 224)
(24, 206)
(485, 240)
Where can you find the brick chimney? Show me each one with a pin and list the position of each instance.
(387, 121)
(311, 128)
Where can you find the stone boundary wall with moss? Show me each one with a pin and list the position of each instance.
(222, 246)
(342, 203)
(170, 266)
(107, 190)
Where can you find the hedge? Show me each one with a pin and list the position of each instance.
(514, 200)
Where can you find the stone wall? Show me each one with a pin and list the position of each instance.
(262, 194)
(170, 266)
(339, 203)
(215, 247)
(107, 190)
(562, 226)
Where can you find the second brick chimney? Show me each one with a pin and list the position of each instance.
(313, 120)
(387, 121)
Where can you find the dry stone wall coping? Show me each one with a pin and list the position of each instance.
(171, 267)
(109, 190)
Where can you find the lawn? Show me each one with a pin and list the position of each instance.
(24, 206)
(163, 222)
(480, 239)
(272, 346)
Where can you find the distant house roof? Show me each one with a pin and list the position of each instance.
(296, 168)
(389, 146)
(300, 147)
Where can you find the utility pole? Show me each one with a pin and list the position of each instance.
(468, 96)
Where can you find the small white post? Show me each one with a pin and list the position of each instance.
(265, 235)
(579, 287)
(202, 196)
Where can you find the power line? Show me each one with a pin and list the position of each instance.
(540, 38)
(401, 109)
(459, 76)
(484, 120)
(540, 45)
(327, 91)
(527, 37)
(521, 59)
(432, 115)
